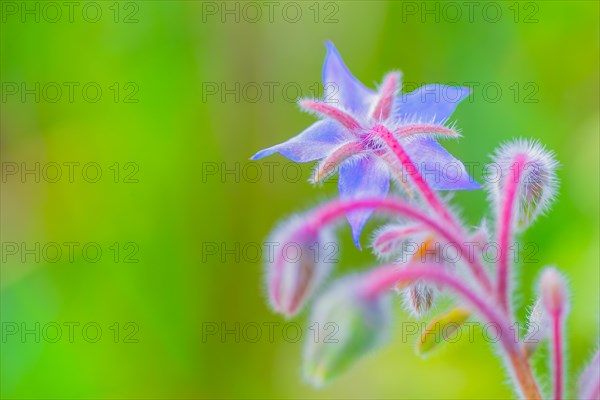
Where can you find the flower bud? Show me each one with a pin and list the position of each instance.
(299, 264)
(418, 298)
(538, 181)
(441, 328)
(359, 325)
(553, 291)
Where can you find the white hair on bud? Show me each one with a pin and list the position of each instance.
(538, 185)
(418, 298)
(553, 290)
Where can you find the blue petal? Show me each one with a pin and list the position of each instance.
(341, 88)
(362, 177)
(439, 168)
(317, 141)
(429, 103)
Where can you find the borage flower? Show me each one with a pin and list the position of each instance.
(345, 140)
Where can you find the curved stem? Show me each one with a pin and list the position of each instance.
(433, 200)
(505, 224)
(386, 277)
(383, 278)
(337, 209)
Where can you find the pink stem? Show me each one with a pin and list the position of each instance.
(337, 209)
(384, 278)
(595, 393)
(557, 355)
(428, 194)
(507, 210)
(517, 359)
(432, 199)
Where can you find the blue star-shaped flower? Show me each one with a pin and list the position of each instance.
(344, 141)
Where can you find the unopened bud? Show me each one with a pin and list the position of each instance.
(418, 298)
(538, 181)
(553, 291)
(361, 325)
(298, 267)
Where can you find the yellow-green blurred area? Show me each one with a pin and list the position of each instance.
(132, 218)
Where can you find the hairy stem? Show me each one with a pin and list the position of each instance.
(505, 225)
(386, 277)
(432, 199)
(524, 375)
(383, 278)
(428, 194)
(337, 209)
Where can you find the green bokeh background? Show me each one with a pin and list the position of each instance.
(176, 130)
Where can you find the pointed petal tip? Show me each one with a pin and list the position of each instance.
(356, 232)
(470, 185)
(261, 154)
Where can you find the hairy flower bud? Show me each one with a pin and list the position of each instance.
(553, 291)
(418, 298)
(359, 324)
(532, 168)
(300, 262)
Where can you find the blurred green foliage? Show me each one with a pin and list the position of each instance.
(534, 69)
